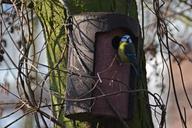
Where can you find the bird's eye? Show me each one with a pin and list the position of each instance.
(115, 42)
(130, 40)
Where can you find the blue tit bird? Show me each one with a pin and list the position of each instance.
(126, 50)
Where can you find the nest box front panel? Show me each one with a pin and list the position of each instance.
(113, 78)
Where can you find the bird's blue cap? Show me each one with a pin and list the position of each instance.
(126, 38)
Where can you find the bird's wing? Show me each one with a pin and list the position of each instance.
(130, 52)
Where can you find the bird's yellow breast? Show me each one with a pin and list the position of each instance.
(121, 52)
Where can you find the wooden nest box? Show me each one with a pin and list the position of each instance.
(98, 84)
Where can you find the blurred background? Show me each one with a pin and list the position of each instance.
(179, 22)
